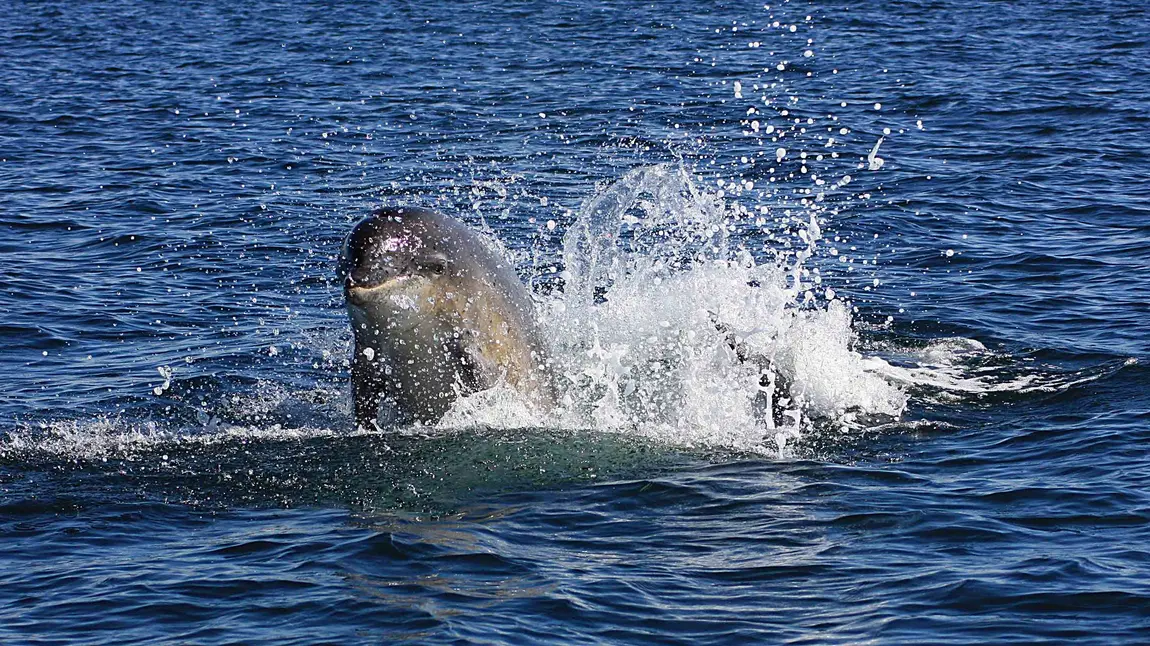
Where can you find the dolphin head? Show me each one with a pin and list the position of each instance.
(391, 248)
(435, 313)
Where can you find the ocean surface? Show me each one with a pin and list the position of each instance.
(848, 302)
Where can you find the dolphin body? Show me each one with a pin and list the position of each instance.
(437, 313)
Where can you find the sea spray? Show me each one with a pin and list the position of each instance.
(668, 330)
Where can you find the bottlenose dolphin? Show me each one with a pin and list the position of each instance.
(437, 313)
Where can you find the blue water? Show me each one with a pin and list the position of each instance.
(176, 457)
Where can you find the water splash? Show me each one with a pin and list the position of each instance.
(668, 330)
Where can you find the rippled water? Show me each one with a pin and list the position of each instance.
(956, 448)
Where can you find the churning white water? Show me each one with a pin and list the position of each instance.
(669, 330)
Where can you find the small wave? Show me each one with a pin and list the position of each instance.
(959, 367)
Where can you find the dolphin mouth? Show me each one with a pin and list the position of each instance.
(366, 292)
(352, 285)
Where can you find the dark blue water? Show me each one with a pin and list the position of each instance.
(176, 457)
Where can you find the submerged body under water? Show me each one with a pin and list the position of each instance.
(847, 305)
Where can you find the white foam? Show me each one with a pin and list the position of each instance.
(500, 407)
(952, 367)
(654, 300)
(113, 437)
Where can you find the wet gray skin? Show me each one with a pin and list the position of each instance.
(436, 313)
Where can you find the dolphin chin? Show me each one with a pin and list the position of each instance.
(436, 313)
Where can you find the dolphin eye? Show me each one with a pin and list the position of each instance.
(434, 263)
